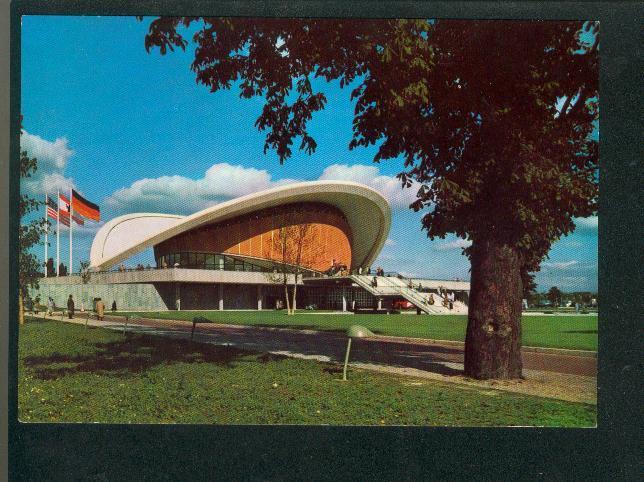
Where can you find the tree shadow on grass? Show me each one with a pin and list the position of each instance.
(133, 355)
(583, 332)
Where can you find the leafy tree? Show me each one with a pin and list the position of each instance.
(554, 295)
(51, 271)
(292, 242)
(85, 272)
(29, 235)
(492, 118)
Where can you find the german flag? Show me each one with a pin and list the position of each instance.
(84, 207)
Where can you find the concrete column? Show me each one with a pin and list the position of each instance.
(344, 300)
(259, 297)
(221, 296)
(177, 296)
(380, 303)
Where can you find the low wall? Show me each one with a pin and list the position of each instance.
(143, 296)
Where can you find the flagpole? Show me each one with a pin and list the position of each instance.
(46, 230)
(58, 233)
(71, 223)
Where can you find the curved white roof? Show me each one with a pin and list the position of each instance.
(366, 211)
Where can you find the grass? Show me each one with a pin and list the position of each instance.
(69, 374)
(574, 332)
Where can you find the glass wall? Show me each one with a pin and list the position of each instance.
(218, 261)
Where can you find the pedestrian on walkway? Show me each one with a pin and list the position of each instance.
(70, 307)
(100, 309)
(50, 306)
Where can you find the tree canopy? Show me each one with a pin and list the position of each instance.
(493, 119)
(471, 107)
(29, 235)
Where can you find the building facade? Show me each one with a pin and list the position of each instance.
(239, 254)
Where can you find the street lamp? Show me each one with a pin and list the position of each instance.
(355, 331)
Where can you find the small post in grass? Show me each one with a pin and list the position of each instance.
(127, 318)
(355, 331)
(195, 320)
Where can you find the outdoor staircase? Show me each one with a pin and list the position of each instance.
(396, 286)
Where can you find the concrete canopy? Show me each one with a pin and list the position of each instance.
(366, 211)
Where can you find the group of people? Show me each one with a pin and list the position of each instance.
(337, 269)
(139, 267)
(71, 307)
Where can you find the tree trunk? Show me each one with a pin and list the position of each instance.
(294, 304)
(286, 299)
(21, 308)
(493, 340)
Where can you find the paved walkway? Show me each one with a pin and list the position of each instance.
(563, 374)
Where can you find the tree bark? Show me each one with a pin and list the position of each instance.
(493, 339)
(294, 304)
(21, 308)
(286, 298)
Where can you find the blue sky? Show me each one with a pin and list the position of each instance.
(133, 131)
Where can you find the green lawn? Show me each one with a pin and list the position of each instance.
(576, 332)
(69, 374)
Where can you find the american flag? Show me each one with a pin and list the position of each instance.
(52, 212)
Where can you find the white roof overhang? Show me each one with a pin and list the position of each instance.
(366, 211)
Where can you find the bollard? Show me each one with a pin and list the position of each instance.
(346, 361)
(198, 319)
(355, 331)
(127, 318)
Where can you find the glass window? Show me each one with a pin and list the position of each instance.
(210, 261)
(171, 259)
(200, 259)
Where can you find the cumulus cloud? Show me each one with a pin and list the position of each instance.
(388, 186)
(220, 182)
(223, 181)
(452, 245)
(390, 242)
(53, 157)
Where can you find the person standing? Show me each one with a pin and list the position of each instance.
(50, 306)
(70, 307)
(100, 309)
(113, 306)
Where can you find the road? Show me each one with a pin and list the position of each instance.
(444, 358)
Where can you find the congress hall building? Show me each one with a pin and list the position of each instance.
(237, 254)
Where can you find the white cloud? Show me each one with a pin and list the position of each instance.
(452, 245)
(390, 187)
(390, 242)
(224, 181)
(220, 182)
(52, 160)
(559, 265)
